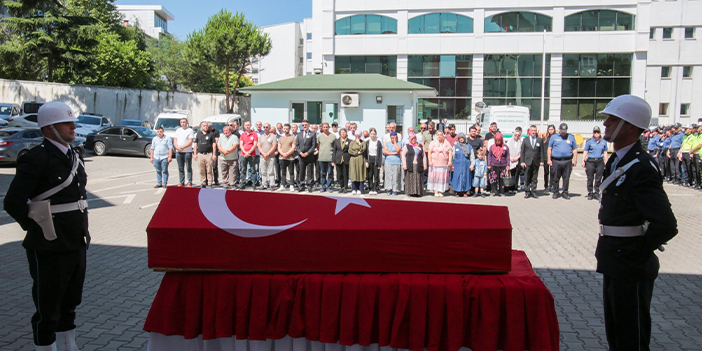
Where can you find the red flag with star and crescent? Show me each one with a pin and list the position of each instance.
(219, 230)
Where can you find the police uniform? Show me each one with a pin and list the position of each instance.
(562, 158)
(676, 141)
(57, 266)
(594, 165)
(628, 263)
(663, 160)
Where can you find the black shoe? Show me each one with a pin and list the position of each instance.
(477, 194)
(527, 195)
(546, 192)
(565, 196)
(590, 196)
(309, 190)
(597, 196)
(533, 194)
(483, 195)
(554, 196)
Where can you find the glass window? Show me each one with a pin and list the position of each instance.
(432, 23)
(358, 24)
(665, 72)
(667, 33)
(652, 33)
(543, 23)
(518, 22)
(447, 66)
(605, 87)
(526, 22)
(314, 112)
(570, 87)
(415, 25)
(625, 21)
(358, 64)
(687, 71)
(415, 66)
(622, 65)
(689, 32)
(343, 26)
(572, 23)
(386, 65)
(309, 36)
(389, 25)
(684, 109)
(590, 20)
(309, 55)
(607, 20)
(374, 65)
(464, 66)
(463, 87)
(605, 65)
(571, 65)
(298, 112)
(448, 23)
(622, 86)
(493, 24)
(373, 24)
(464, 24)
(663, 109)
(342, 64)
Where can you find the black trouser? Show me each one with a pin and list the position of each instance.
(277, 169)
(675, 170)
(306, 172)
(698, 169)
(297, 171)
(215, 169)
(517, 174)
(690, 168)
(285, 167)
(317, 171)
(561, 169)
(547, 176)
(663, 164)
(57, 290)
(342, 171)
(627, 307)
(594, 168)
(373, 174)
(531, 177)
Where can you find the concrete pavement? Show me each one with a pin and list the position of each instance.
(559, 236)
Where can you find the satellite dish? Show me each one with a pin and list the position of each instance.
(479, 106)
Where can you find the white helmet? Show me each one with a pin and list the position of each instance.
(54, 112)
(630, 108)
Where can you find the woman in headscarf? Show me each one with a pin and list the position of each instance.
(414, 163)
(498, 163)
(463, 158)
(551, 130)
(357, 165)
(440, 161)
(393, 165)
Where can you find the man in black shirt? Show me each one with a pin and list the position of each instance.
(474, 140)
(491, 133)
(205, 145)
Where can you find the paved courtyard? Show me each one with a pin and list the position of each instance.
(559, 237)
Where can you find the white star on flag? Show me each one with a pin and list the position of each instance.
(342, 202)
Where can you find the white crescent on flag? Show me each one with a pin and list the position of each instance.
(213, 205)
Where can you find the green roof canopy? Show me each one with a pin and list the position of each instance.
(342, 83)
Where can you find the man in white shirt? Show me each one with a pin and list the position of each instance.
(183, 143)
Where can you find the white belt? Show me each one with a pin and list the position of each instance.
(71, 206)
(623, 231)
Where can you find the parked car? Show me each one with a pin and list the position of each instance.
(93, 122)
(28, 107)
(121, 140)
(15, 142)
(170, 120)
(9, 111)
(219, 121)
(24, 121)
(4, 123)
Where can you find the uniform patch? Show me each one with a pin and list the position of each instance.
(621, 179)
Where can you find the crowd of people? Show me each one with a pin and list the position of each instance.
(678, 150)
(326, 158)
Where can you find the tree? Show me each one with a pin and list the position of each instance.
(229, 42)
(118, 63)
(169, 61)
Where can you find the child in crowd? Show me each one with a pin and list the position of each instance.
(480, 172)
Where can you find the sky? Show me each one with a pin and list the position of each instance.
(193, 15)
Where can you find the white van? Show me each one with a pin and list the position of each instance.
(507, 118)
(170, 120)
(219, 121)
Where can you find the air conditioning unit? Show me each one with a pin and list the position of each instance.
(349, 100)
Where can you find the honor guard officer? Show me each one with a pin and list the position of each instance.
(635, 220)
(562, 156)
(47, 198)
(594, 159)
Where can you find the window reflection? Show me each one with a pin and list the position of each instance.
(599, 20)
(518, 22)
(365, 24)
(440, 23)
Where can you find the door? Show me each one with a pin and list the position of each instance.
(127, 143)
(331, 113)
(396, 114)
(111, 138)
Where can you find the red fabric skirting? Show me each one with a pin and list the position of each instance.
(437, 312)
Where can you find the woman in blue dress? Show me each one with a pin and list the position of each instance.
(463, 158)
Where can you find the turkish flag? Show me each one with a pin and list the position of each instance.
(215, 229)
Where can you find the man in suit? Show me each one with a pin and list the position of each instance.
(635, 219)
(530, 160)
(47, 198)
(306, 142)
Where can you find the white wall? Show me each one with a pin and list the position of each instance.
(275, 107)
(117, 103)
(283, 60)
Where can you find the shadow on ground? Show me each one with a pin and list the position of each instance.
(119, 289)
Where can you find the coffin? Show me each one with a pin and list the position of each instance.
(241, 231)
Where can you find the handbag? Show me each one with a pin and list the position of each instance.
(508, 181)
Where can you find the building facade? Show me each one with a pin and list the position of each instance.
(152, 19)
(493, 51)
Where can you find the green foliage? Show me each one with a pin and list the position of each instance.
(169, 61)
(225, 46)
(118, 63)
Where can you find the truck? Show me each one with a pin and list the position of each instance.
(170, 120)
